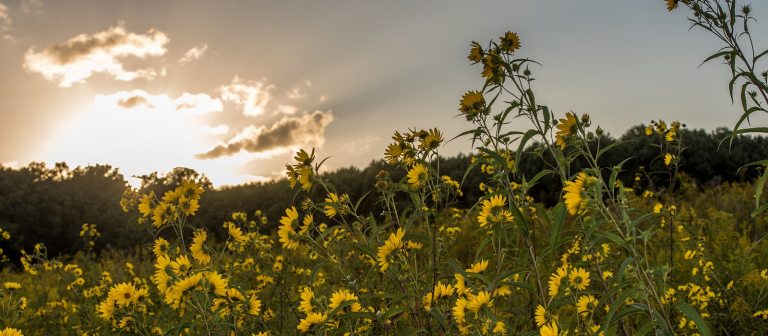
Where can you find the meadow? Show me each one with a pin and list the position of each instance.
(618, 252)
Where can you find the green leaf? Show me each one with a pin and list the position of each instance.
(528, 135)
(393, 312)
(692, 314)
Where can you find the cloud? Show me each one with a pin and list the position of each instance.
(295, 93)
(287, 133)
(287, 109)
(5, 21)
(104, 52)
(200, 103)
(214, 130)
(194, 53)
(133, 101)
(185, 104)
(252, 96)
(31, 6)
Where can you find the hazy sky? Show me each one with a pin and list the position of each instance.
(233, 88)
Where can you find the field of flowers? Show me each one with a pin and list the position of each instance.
(609, 259)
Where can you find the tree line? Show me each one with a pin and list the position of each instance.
(50, 204)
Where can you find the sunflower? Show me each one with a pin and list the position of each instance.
(181, 265)
(480, 301)
(432, 140)
(305, 305)
(106, 309)
(12, 285)
(341, 296)
(555, 280)
(286, 232)
(161, 247)
(566, 128)
(586, 305)
(509, 42)
(579, 278)
(145, 204)
(217, 284)
(123, 294)
(478, 267)
(668, 159)
(418, 175)
(394, 242)
(331, 205)
(440, 290)
(197, 248)
(311, 320)
(672, 4)
(476, 53)
(493, 210)
(254, 305)
(574, 193)
(549, 330)
(542, 316)
(472, 104)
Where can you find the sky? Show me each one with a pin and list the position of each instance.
(233, 88)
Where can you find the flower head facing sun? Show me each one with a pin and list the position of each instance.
(574, 196)
(566, 128)
(418, 175)
(493, 211)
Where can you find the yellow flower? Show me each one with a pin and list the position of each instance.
(542, 316)
(123, 294)
(478, 267)
(761, 314)
(472, 104)
(649, 130)
(311, 320)
(555, 280)
(549, 330)
(574, 193)
(499, 328)
(418, 175)
(566, 128)
(106, 309)
(332, 203)
(305, 177)
(440, 290)
(672, 4)
(218, 285)
(394, 242)
(579, 278)
(254, 306)
(432, 140)
(476, 53)
(341, 296)
(11, 332)
(181, 265)
(509, 42)
(586, 305)
(305, 305)
(480, 301)
(145, 205)
(668, 158)
(235, 233)
(459, 310)
(286, 232)
(161, 247)
(12, 285)
(657, 208)
(198, 249)
(163, 213)
(494, 211)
